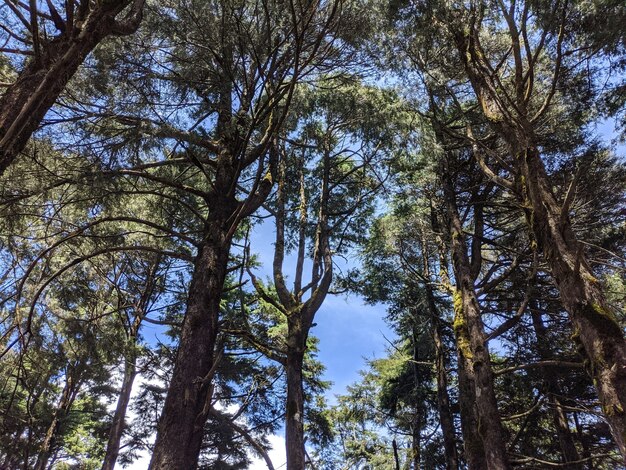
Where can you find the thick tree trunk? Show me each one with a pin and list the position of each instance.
(559, 417)
(180, 430)
(471, 342)
(25, 103)
(117, 426)
(595, 324)
(294, 416)
(473, 448)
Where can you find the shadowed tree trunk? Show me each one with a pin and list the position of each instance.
(294, 414)
(54, 62)
(473, 448)
(446, 418)
(471, 339)
(443, 403)
(117, 425)
(299, 313)
(559, 417)
(416, 441)
(68, 395)
(188, 402)
(594, 321)
(254, 91)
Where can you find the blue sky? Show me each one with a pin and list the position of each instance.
(349, 330)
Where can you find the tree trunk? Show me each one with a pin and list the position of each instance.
(471, 341)
(595, 324)
(180, 430)
(65, 404)
(474, 450)
(583, 442)
(416, 442)
(117, 426)
(294, 417)
(443, 402)
(25, 103)
(559, 417)
(297, 334)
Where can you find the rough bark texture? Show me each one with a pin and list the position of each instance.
(180, 430)
(595, 324)
(443, 403)
(473, 448)
(117, 425)
(294, 416)
(416, 442)
(25, 103)
(68, 395)
(471, 341)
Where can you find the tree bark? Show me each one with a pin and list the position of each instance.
(446, 419)
(294, 416)
(416, 442)
(188, 402)
(471, 340)
(595, 323)
(70, 389)
(473, 448)
(25, 103)
(117, 426)
(443, 402)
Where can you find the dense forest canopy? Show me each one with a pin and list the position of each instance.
(186, 184)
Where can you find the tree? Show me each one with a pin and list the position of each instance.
(328, 173)
(55, 46)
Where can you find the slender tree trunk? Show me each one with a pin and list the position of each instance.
(180, 430)
(117, 426)
(396, 455)
(65, 404)
(583, 442)
(443, 398)
(443, 402)
(294, 417)
(416, 442)
(559, 417)
(471, 341)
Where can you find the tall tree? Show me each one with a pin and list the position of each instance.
(344, 137)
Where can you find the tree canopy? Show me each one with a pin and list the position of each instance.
(187, 186)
